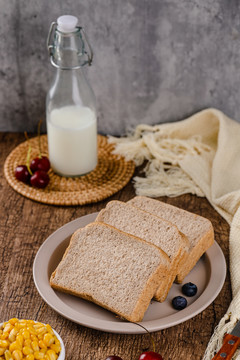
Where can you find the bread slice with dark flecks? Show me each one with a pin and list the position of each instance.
(117, 271)
(152, 229)
(197, 229)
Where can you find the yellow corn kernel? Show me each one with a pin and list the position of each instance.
(52, 355)
(35, 346)
(12, 338)
(32, 322)
(37, 325)
(4, 336)
(42, 330)
(21, 324)
(4, 343)
(2, 351)
(17, 355)
(30, 357)
(8, 327)
(38, 355)
(31, 330)
(20, 339)
(27, 350)
(49, 329)
(12, 334)
(14, 331)
(56, 348)
(13, 321)
(8, 355)
(27, 342)
(33, 337)
(42, 344)
(15, 346)
(48, 339)
(26, 334)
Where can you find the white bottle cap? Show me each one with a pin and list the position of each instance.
(67, 23)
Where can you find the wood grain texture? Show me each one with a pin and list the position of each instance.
(24, 226)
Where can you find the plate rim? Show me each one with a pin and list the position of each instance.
(215, 284)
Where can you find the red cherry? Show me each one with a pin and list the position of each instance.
(42, 163)
(34, 164)
(22, 174)
(150, 355)
(40, 179)
(113, 357)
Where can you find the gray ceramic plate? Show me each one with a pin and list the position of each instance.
(209, 276)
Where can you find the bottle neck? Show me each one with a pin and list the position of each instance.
(63, 74)
(68, 50)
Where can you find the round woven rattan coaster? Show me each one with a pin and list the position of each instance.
(111, 175)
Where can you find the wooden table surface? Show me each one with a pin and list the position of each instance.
(26, 224)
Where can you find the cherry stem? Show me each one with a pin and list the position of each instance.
(39, 138)
(28, 154)
(151, 338)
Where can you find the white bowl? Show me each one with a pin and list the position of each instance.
(61, 356)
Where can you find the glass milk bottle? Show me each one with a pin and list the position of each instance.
(70, 103)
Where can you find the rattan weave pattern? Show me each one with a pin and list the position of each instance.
(111, 175)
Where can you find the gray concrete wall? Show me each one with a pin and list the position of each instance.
(155, 60)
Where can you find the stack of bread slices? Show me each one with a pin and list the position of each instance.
(132, 253)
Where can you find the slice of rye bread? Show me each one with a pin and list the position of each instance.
(198, 229)
(152, 229)
(115, 270)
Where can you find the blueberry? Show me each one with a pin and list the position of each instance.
(179, 302)
(189, 289)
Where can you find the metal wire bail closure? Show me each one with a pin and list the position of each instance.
(53, 28)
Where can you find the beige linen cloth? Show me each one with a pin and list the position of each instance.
(198, 155)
